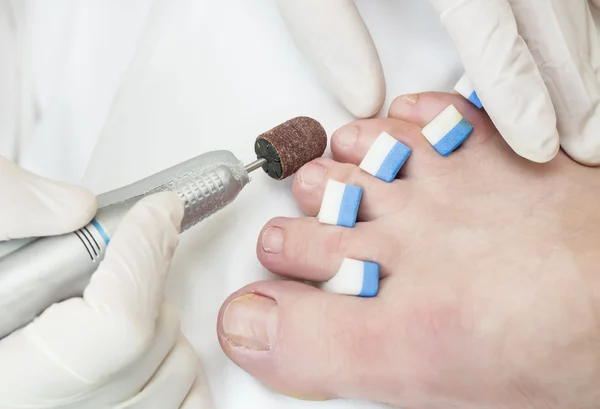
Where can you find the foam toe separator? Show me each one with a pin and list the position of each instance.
(385, 158)
(465, 88)
(340, 204)
(355, 277)
(447, 131)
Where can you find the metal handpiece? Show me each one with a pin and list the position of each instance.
(51, 269)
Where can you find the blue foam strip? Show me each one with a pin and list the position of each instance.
(474, 99)
(101, 230)
(393, 162)
(454, 138)
(370, 286)
(349, 206)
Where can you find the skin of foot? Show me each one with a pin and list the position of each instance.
(490, 289)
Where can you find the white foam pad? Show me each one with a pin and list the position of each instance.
(354, 277)
(464, 87)
(385, 157)
(340, 204)
(442, 124)
(447, 131)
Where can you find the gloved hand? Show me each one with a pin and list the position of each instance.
(120, 345)
(534, 64)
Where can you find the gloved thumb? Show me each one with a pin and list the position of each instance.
(33, 206)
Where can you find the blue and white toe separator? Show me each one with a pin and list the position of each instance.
(447, 131)
(358, 278)
(340, 204)
(385, 157)
(465, 88)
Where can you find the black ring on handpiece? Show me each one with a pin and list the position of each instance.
(265, 150)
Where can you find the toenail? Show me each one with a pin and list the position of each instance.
(311, 174)
(346, 136)
(250, 321)
(410, 98)
(272, 240)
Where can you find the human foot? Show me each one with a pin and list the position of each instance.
(489, 294)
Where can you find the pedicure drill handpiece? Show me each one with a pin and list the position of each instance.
(51, 269)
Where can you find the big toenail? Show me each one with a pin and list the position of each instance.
(272, 240)
(311, 175)
(410, 98)
(346, 136)
(250, 321)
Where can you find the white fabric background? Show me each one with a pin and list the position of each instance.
(125, 89)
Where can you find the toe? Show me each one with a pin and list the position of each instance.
(303, 342)
(448, 120)
(313, 345)
(352, 143)
(378, 197)
(307, 250)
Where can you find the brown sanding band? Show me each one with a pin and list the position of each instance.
(297, 142)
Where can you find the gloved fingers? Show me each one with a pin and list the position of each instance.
(562, 38)
(504, 74)
(200, 396)
(75, 358)
(596, 3)
(130, 280)
(116, 318)
(33, 206)
(172, 382)
(333, 36)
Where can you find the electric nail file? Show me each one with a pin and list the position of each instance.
(51, 269)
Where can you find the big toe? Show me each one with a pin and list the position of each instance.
(448, 121)
(303, 342)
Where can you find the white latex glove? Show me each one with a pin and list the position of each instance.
(534, 64)
(120, 345)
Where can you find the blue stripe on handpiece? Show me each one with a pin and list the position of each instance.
(349, 206)
(392, 163)
(370, 286)
(454, 138)
(101, 230)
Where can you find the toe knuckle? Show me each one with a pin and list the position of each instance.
(436, 332)
(357, 176)
(338, 242)
(410, 132)
(432, 321)
(359, 341)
